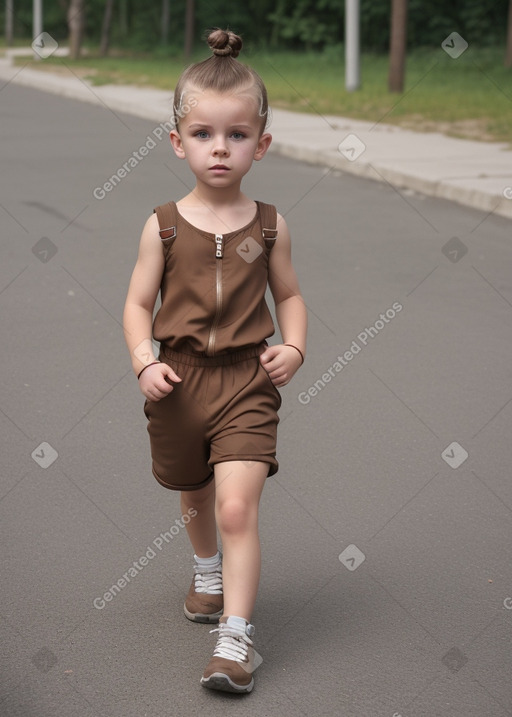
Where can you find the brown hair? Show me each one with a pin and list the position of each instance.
(221, 73)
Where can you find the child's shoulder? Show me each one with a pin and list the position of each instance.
(151, 225)
(151, 232)
(270, 205)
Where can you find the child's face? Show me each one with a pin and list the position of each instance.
(221, 137)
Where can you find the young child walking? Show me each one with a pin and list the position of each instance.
(212, 394)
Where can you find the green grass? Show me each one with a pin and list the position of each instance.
(467, 97)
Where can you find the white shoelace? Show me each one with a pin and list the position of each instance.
(231, 644)
(208, 580)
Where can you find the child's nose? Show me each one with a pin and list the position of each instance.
(220, 147)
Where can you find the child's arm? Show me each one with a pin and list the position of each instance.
(138, 315)
(280, 361)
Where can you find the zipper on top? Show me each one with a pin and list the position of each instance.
(219, 253)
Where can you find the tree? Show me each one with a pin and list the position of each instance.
(105, 27)
(508, 54)
(303, 24)
(166, 16)
(76, 27)
(189, 28)
(398, 45)
(9, 12)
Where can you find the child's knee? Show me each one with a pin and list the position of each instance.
(236, 515)
(200, 498)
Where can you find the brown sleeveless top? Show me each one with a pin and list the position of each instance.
(213, 285)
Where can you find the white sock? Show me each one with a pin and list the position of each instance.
(238, 623)
(208, 562)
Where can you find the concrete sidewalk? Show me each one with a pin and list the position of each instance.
(476, 174)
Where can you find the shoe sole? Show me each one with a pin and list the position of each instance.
(203, 617)
(219, 681)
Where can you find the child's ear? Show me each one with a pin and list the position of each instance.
(263, 144)
(177, 144)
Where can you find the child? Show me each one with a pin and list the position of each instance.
(211, 396)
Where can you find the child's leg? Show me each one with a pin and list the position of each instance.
(201, 528)
(238, 487)
(204, 601)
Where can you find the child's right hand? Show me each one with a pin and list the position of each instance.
(155, 381)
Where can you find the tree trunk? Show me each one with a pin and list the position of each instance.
(166, 17)
(279, 13)
(189, 28)
(123, 18)
(508, 54)
(398, 45)
(9, 12)
(105, 28)
(76, 27)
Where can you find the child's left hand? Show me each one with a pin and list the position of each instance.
(280, 362)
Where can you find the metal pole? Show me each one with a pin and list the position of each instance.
(352, 53)
(37, 22)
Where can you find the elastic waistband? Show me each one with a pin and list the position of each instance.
(226, 359)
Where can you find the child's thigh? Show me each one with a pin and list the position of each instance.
(179, 449)
(241, 481)
(245, 428)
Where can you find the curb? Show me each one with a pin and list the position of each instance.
(151, 106)
(440, 189)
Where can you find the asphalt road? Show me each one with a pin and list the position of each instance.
(387, 580)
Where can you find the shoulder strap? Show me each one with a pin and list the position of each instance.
(268, 218)
(166, 214)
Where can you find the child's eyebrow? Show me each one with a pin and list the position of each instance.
(205, 125)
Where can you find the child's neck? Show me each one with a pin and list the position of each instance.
(218, 211)
(217, 198)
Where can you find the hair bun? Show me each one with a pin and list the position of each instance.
(224, 43)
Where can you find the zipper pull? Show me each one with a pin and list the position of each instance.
(219, 238)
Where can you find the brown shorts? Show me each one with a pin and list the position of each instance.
(224, 409)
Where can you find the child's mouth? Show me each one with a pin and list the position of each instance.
(219, 168)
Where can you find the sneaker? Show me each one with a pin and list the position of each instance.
(205, 601)
(232, 664)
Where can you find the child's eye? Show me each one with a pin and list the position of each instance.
(237, 135)
(201, 134)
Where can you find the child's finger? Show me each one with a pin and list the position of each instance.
(269, 353)
(161, 386)
(276, 362)
(269, 361)
(170, 374)
(155, 394)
